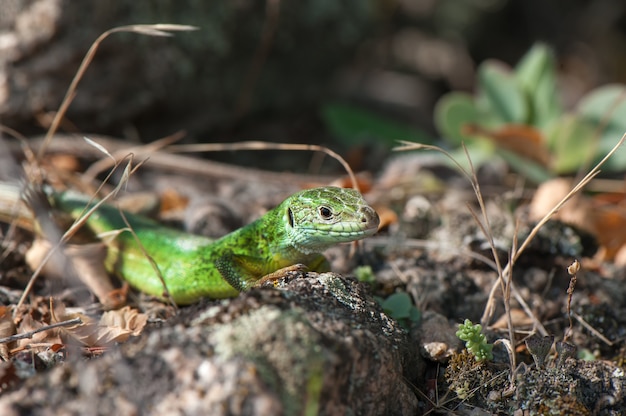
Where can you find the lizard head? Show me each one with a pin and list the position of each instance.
(318, 218)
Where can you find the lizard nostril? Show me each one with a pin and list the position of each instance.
(368, 215)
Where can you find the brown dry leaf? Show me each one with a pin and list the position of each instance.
(28, 324)
(7, 328)
(576, 211)
(521, 139)
(127, 318)
(620, 256)
(65, 162)
(609, 223)
(114, 326)
(88, 262)
(143, 203)
(364, 182)
(387, 217)
(518, 318)
(85, 333)
(116, 298)
(606, 221)
(8, 376)
(172, 200)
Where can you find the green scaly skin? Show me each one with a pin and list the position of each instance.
(193, 267)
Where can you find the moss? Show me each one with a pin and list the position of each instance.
(476, 381)
(285, 351)
(549, 391)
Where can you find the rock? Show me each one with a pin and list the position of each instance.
(317, 344)
(436, 337)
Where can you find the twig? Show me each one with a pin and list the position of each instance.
(75, 321)
(146, 149)
(592, 329)
(572, 270)
(257, 145)
(76, 145)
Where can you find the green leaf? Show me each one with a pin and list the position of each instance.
(528, 168)
(452, 112)
(480, 151)
(571, 144)
(605, 109)
(504, 95)
(354, 125)
(400, 307)
(536, 72)
(534, 65)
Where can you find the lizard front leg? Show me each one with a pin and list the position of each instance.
(243, 272)
(240, 271)
(317, 264)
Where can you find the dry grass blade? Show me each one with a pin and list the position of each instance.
(591, 329)
(169, 27)
(128, 171)
(506, 272)
(96, 168)
(100, 148)
(11, 193)
(579, 186)
(59, 242)
(153, 264)
(257, 145)
(160, 29)
(87, 260)
(484, 225)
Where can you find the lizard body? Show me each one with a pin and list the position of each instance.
(296, 231)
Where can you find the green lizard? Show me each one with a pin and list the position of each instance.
(296, 231)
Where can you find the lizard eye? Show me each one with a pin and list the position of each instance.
(290, 215)
(326, 212)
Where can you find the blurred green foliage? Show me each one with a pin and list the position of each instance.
(354, 126)
(516, 114)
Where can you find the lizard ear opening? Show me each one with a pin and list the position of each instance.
(290, 216)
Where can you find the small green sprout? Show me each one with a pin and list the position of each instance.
(475, 341)
(365, 274)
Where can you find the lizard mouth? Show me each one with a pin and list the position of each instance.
(365, 225)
